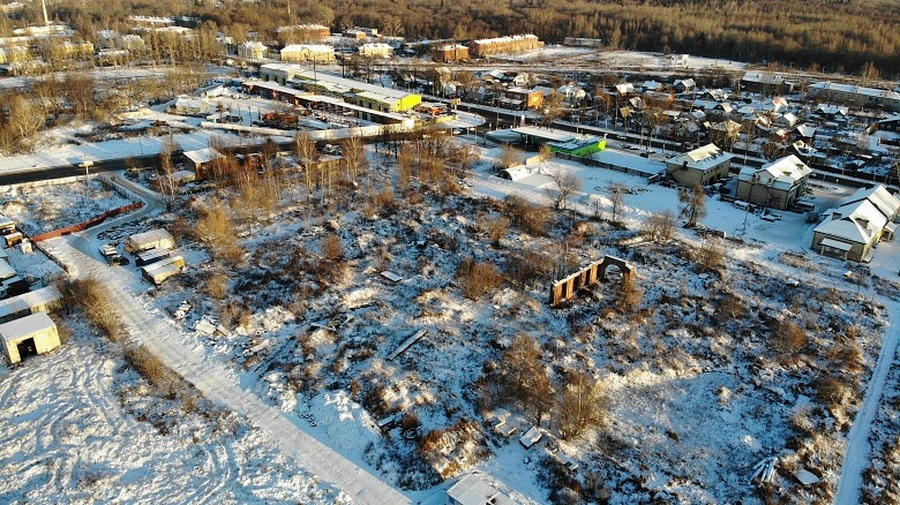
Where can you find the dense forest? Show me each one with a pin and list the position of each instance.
(828, 35)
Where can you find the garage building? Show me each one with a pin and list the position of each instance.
(29, 336)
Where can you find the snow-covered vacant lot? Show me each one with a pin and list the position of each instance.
(719, 356)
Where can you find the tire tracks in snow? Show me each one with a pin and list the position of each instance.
(218, 383)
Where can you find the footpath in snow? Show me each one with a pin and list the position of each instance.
(856, 456)
(220, 385)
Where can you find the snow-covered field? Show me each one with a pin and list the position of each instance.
(700, 385)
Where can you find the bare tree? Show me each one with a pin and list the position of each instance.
(165, 171)
(630, 295)
(524, 377)
(583, 404)
(660, 227)
(693, 202)
(616, 199)
(567, 183)
(355, 160)
(509, 156)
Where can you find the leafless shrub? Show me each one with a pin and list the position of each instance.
(660, 227)
(477, 279)
(529, 217)
(830, 391)
(332, 248)
(630, 295)
(495, 227)
(409, 421)
(709, 256)
(845, 355)
(730, 307)
(216, 285)
(96, 303)
(528, 266)
(510, 157)
(788, 339)
(153, 369)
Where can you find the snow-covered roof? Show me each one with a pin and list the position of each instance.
(26, 301)
(782, 173)
(205, 155)
(18, 329)
(313, 48)
(861, 216)
(880, 197)
(854, 89)
(629, 161)
(806, 130)
(530, 437)
(508, 38)
(545, 133)
(474, 489)
(151, 236)
(702, 158)
(857, 223)
(625, 88)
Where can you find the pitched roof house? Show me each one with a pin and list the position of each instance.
(700, 166)
(777, 184)
(851, 230)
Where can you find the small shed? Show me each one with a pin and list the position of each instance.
(29, 336)
(530, 437)
(199, 159)
(475, 489)
(156, 238)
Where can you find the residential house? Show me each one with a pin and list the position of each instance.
(851, 231)
(776, 185)
(376, 50)
(318, 53)
(769, 83)
(253, 50)
(858, 96)
(700, 166)
(684, 85)
(447, 53)
(521, 98)
(725, 132)
(571, 94)
(200, 160)
(186, 106)
(503, 45)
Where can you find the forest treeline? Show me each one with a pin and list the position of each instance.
(828, 35)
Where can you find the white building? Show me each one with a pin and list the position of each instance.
(777, 184)
(319, 53)
(474, 489)
(29, 336)
(376, 50)
(253, 50)
(851, 230)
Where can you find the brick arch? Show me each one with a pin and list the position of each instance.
(565, 289)
(620, 265)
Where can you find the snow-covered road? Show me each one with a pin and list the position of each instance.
(220, 384)
(856, 456)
